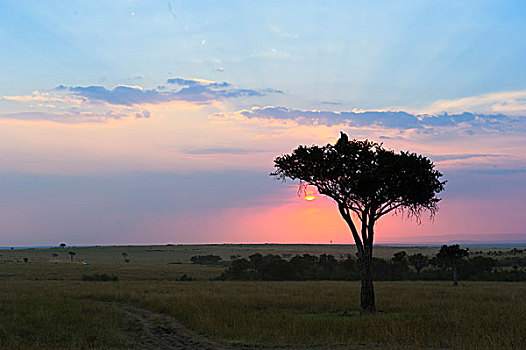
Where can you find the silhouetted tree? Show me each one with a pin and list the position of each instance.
(418, 261)
(367, 182)
(400, 258)
(26, 260)
(206, 259)
(450, 255)
(124, 256)
(71, 254)
(399, 265)
(62, 245)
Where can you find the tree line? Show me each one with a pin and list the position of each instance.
(401, 267)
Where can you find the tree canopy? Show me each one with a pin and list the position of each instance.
(448, 255)
(364, 178)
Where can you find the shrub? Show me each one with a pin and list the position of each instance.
(206, 259)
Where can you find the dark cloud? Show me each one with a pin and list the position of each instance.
(120, 95)
(393, 119)
(194, 82)
(142, 114)
(444, 157)
(330, 103)
(497, 171)
(399, 120)
(191, 90)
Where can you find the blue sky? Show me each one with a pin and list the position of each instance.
(361, 54)
(104, 104)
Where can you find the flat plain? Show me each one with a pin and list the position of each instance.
(46, 304)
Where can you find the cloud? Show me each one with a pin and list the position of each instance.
(499, 171)
(95, 103)
(142, 114)
(42, 97)
(467, 123)
(215, 151)
(276, 30)
(189, 90)
(331, 103)
(194, 82)
(446, 157)
(512, 103)
(65, 118)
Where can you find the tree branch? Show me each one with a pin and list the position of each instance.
(347, 217)
(381, 213)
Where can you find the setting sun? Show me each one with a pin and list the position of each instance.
(310, 197)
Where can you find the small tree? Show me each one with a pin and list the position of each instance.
(399, 264)
(450, 255)
(418, 261)
(26, 260)
(62, 245)
(205, 259)
(71, 254)
(124, 256)
(400, 258)
(367, 182)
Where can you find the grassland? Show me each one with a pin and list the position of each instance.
(44, 304)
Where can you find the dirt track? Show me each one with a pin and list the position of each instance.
(163, 332)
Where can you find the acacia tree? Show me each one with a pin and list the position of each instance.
(418, 261)
(367, 182)
(449, 255)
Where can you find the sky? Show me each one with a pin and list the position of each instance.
(155, 122)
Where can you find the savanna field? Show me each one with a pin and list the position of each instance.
(55, 302)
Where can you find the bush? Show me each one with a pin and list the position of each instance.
(205, 259)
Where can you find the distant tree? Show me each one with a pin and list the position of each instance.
(418, 261)
(71, 254)
(124, 256)
(400, 258)
(450, 255)
(205, 259)
(62, 245)
(367, 182)
(26, 260)
(399, 265)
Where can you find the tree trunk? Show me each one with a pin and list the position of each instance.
(455, 281)
(367, 305)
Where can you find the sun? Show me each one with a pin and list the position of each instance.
(310, 197)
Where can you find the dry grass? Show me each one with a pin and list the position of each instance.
(412, 314)
(33, 316)
(45, 305)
